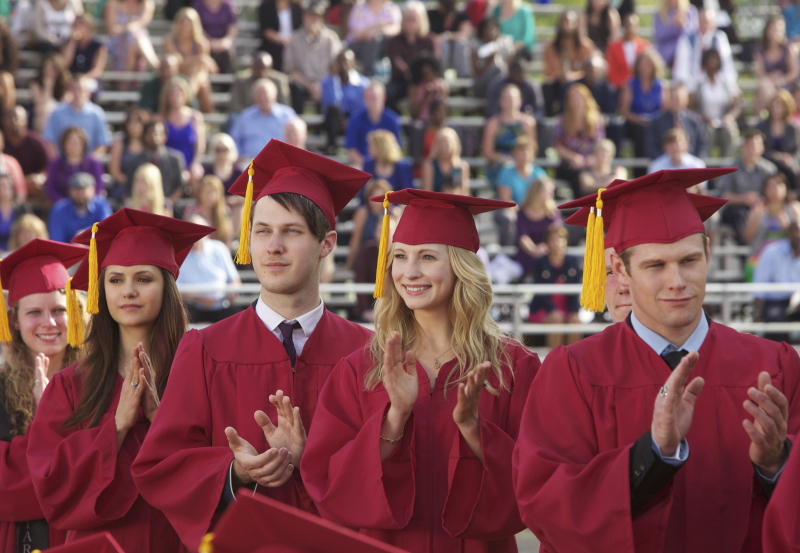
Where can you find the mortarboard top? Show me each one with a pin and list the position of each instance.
(432, 218)
(280, 167)
(98, 543)
(258, 524)
(40, 266)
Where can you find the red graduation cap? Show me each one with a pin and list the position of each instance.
(39, 266)
(258, 524)
(432, 218)
(652, 209)
(280, 167)
(98, 543)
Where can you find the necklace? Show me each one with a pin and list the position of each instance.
(436, 364)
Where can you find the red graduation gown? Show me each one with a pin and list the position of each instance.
(18, 501)
(593, 400)
(220, 377)
(782, 519)
(83, 484)
(432, 493)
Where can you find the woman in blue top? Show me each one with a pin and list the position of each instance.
(386, 161)
(642, 98)
(184, 125)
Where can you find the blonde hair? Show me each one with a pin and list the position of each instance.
(152, 199)
(606, 145)
(422, 14)
(227, 141)
(476, 337)
(163, 97)
(446, 133)
(220, 218)
(197, 25)
(534, 197)
(789, 105)
(655, 59)
(27, 222)
(377, 187)
(387, 150)
(525, 141)
(683, 7)
(592, 117)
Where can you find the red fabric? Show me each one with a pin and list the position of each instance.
(782, 518)
(432, 493)
(280, 167)
(618, 71)
(37, 267)
(18, 501)
(83, 484)
(437, 218)
(591, 401)
(183, 464)
(99, 543)
(476, 10)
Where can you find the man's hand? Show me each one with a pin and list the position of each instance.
(770, 411)
(289, 434)
(672, 415)
(271, 469)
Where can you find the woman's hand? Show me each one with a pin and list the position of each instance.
(400, 380)
(129, 400)
(41, 364)
(147, 376)
(466, 414)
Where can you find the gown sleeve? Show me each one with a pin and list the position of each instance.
(480, 503)
(342, 467)
(81, 480)
(572, 496)
(781, 532)
(178, 470)
(17, 499)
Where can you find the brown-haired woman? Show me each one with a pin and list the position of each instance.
(129, 146)
(95, 414)
(580, 127)
(36, 349)
(781, 136)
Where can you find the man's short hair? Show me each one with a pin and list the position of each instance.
(317, 223)
(673, 135)
(750, 134)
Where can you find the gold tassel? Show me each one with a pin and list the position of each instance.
(74, 317)
(206, 546)
(595, 286)
(587, 260)
(380, 275)
(92, 302)
(5, 331)
(243, 255)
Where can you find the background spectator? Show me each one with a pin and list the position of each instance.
(375, 115)
(530, 95)
(49, 88)
(536, 214)
(563, 60)
(218, 18)
(54, 22)
(427, 85)
(513, 182)
(79, 211)
(490, 52)
(150, 91)
(309, 54)
(128, 147)
(676, 115)
(26, 146)
(367, 219)
(261, 68)
(84, 53)
(791, 14)
(501, 131)
(451, 30)
(579, 128)
(642, 98)
(170, 162)
(371, 22)
(80, 112)
(781, 136)
(405, 48)
(601, 171)
(718, 101)
(10, 207)
(688, 67)
(9, 62)
(516, 20)
(594, 78)
(129, 45)
(622, 54)
(674, 18)
(26, 228)
(277, 20)
(445, 170)
(600, 22)
(147, 192)
(776, 62)
(769, 218)
(675, 156)
(184, 125)
(385, 161)
(436, 122)
(342, 94)
(74, 158)
(223, 160)
(296, 132)
(262, 121)
(13, 168)
(210, 204)
(188, 42)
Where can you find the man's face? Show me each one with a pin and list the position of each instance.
(286, 255)
(311, 22)
(262, 64)
(16, 121)
(155, 137)
(618, 298)
(679, 99)
(81, 195)
(264, 98)
(707, 21)
(675, 149)
(374, 99)
(79, 91)
(631, 25)
(667, 282)
(753, 148)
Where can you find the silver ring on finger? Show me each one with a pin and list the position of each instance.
(134, 384)
(663, 391)
(36, 381)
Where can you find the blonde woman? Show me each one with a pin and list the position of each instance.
(581, 126)
(148, 191)
(445, 168)
(386, 161)
(501, 131)
(188, 42)
(675, 18)
(210, 196)
(601, 171)
(35, 277)
(223, 159)
(413, 435)
(25, 229)
(183, 124)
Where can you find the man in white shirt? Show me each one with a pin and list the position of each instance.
(676, 155)
(687, 68)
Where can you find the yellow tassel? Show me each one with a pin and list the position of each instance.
(594, 278)
(92, 302)
(206, 546)
(5, 331)
(380, 275)
(74, 317)
(243, 255)
(587, 260)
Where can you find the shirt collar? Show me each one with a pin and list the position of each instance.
(271, 318)
(658, 343)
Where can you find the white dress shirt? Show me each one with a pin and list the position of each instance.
(308, 322)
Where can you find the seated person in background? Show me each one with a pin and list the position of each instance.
(84, 53)
(129, 45)
(74, 158)
(781, 136)
(309, 54)
(126, 149)
(427, 85)
(513, 182)
(261, 68)
(776, 62)
(218, 18)
(600, 22)
(791, 15)
(13, 168)
(210, 198)
(768, 218)
(79, 211)
(386, 162)
(209, 263)
(516, 20)
(445, 169)
(80, 112)
(675, 18)
(223, 160)
(185, 127)
(718, 101)
(535, 214)
(261, 122)
(53, 22)
(369, 25)
(594, 78)
(150, 91)
(676, 155)
(25, 229)
(277, 20)
(676, 115)
(147, 193)
(502, 130)
(743, 188)
(187, 41)
(601, 172)
(530, 96)
(367, 219)
(490, 52)
(402, 50)
(563, 61)
(451, 30)
(556, 267)
(170, 162)
(375, 115)
(342, 94)
(11, 207)
(9, 63)
(26, 146)
(689, 67)
(48, 89)
(296, 132)
(365, 265)
(642, 98)
(621, 55)
(436, 122)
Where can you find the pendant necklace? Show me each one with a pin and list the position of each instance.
(436, 364)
